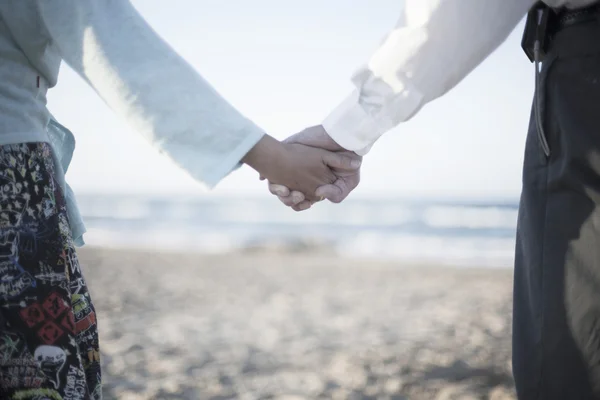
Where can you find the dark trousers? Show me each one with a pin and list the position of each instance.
(556, 325)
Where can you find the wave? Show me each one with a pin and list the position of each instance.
(455, 233)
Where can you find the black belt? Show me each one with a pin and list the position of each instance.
(544, 22)
(566, 17)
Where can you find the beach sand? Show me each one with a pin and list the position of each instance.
(298, 326)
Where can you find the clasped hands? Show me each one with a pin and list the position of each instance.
(306, 168)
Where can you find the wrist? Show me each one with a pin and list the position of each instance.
(330, 142)
(327, 140)
(264, 155)
(317, 136)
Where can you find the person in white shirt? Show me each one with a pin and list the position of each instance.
(556, 319)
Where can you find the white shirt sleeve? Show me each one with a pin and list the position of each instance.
(143, 79)
(435, 44)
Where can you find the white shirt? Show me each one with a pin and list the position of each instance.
(435, 44)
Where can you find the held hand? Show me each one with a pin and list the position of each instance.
(297, 166)
(346, 179)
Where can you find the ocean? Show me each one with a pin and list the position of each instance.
(476, 233)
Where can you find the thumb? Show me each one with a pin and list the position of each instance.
(342, 161)
(331, 192)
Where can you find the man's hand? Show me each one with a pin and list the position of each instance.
(346, 179)
(299, 167)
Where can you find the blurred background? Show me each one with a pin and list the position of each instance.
(402, 291)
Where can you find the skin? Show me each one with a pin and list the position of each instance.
(308, 170)
(346, 179)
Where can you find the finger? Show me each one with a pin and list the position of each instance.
(337, 196)
(343, 161)
(293, 199)
(305, 205)
(279, 190)
(287, 200)
(331, 192)
(297, 197)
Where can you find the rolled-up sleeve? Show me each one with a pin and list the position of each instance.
(147, 83)
(435, 44)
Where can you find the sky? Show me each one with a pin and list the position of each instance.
(286, 65)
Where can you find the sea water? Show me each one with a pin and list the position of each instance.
(446, 232)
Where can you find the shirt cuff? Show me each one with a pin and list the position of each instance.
(351, 127)
(230, 162)
(211, 167)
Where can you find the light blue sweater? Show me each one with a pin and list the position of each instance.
(131, 68)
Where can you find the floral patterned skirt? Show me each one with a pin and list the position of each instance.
(48, 332)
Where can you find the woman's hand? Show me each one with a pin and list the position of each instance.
(299, 167)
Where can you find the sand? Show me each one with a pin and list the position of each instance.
(293, 326)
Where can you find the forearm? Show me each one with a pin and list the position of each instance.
(264, 156)
(434, 46)
(143, 80)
